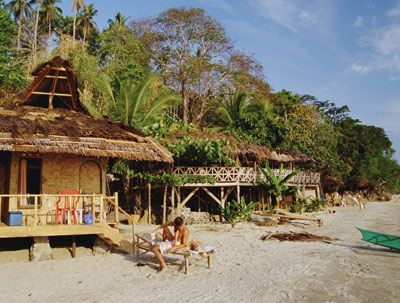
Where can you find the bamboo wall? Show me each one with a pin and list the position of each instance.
(60, 172)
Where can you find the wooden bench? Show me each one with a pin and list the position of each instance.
(144, 244)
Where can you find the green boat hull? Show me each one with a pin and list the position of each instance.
(380, 239)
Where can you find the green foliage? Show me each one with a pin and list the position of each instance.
(11, 78)
(123, 169)
(195, 151)
(138, 105)
(235, 212)
(307, 204)
(276, 185)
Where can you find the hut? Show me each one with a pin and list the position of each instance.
(54, 155)
(233, 181)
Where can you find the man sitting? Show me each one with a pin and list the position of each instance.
(171, 242)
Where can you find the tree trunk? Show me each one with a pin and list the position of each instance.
(35, 38)
(74, 30)
(19, 36)
(185, 104)
(49, 37)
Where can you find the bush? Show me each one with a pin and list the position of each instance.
(235, 212)
(307, 204)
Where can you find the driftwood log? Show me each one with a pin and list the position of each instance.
(284, 216)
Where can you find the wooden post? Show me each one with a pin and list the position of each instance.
(318, 192)
(222, 197)
(101, 209)
(209, 261)
(173, 199)
(238, 193)
(262, 198)
(164, 217)
(73, 246)
(70, 207)
(35, 214)
(186, 264)
(149, 200)
(116, 208)
(178, 197)
(93, 208)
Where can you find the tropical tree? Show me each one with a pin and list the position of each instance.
(119, 19)
(191, 51)
(138, 105)
(276, 184)
(232, 111)
(11, 78)
(36, 31)
(51, 13)
(86, 21)
(20, 10)
(76, 7)
(121, 53)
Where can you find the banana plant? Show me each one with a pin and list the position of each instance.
(277, 184)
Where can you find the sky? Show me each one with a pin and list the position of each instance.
(344, 51)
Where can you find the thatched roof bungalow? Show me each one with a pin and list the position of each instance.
(49, 142)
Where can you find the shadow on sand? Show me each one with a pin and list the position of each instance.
(371, 250)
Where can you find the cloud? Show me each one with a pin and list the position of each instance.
(395, 11)
(381, 48)
(296, 16)
(359, 22)
(359, 68)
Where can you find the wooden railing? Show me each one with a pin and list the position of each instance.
(247, 175)
(41, 209)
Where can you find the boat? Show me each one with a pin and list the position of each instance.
(381, 239)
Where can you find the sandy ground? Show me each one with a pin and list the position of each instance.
(245, 269)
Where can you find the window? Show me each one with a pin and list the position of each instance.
(30, 179)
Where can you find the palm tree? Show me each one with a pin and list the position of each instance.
(232, 110)
(36, 32)
(20, 9)
(76, 7)
(86, 20)
(277, 185)
(138, 105)
(50, 13)
(119, 19)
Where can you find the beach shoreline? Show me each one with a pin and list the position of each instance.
(244, 268)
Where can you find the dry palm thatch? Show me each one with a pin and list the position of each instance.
(298, 237)
(48, 118)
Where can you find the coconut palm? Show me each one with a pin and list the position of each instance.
(76, 7)
(36, 31)
(232, 110)
(20, 10)
(119, 19)
(50, 13)
(138, 105)
(277, 185)
(86, 20)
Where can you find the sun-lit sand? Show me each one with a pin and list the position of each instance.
(244, 269)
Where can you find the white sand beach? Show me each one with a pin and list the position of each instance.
(244, 268)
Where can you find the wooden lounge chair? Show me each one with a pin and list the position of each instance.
(145, 245)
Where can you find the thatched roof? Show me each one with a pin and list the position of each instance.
(246, 151)
(49, 118)
(54, 86)
(61, 131)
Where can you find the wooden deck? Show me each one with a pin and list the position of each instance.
(49, 230)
